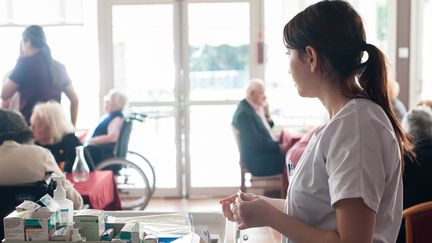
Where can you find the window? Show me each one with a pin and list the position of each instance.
(288, 107)
(74, 45)
(44, 12)
(425, 50)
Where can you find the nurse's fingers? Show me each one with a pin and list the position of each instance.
(241, 226)
(247, 196)
(226, 209)
(229, 199)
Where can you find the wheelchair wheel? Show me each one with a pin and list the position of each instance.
(132, 183)
(145, 165)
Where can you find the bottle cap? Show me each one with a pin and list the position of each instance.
(59, 192)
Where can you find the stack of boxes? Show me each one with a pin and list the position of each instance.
(31, 222)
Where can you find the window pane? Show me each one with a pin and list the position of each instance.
(214, 155)
(84, 72)
(155, 140)
(143, 40)
(426, 50)
(3, 12)
(218, 50)
(75, 47)
(41, 12)
(23, 12)
(374, 14)
(73, 11)
(287, 106)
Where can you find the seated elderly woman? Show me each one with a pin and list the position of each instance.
(417, 183)
(108, 131)
(21, 162)
(53, 130)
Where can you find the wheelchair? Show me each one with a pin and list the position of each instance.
(134, 174)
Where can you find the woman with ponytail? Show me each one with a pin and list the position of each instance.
(37, 76)
(347, 186)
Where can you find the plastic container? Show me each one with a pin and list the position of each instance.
(66, 205)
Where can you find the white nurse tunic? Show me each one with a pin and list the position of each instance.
(355, 155)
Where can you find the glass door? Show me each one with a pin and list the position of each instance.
(219, 43)
(186, 66)
(143, 51)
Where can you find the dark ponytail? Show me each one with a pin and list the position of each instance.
(37, 38)
(336, 31)
(374, 81)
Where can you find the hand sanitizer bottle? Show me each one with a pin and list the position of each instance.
(66, 205)
(76, 236)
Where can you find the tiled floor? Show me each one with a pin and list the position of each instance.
(256, 235)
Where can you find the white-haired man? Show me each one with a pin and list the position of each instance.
(260, 153)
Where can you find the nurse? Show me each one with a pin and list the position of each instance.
(347, 186)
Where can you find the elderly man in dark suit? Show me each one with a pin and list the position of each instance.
(261, 154)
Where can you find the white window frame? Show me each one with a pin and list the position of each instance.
(415, 69)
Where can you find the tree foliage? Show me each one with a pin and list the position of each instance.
(222, 57)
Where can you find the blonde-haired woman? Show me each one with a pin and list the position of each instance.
(22, 162)
(54, 131)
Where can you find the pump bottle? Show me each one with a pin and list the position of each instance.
(66, 205)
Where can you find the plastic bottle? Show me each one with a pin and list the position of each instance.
(80, 169)
(76, 236)
(66, 205)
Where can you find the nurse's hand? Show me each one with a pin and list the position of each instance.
(252, 211)
(227, 204)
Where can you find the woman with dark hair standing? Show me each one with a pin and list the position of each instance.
(347, 186)
(37, 76)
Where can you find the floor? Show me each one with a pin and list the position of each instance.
(256, 235)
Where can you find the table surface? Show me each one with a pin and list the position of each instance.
(215, 222)
(99, 191)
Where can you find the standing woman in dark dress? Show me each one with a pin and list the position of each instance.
(37, 76)
(54, 131)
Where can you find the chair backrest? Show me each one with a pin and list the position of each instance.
(236, 133)
(122, 144)
(243, 169)
(418, 222)
(258, 182)
(13, 195)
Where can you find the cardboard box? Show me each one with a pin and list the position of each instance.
(14, 225)
(150, 239)
(131, 233)
(91, 223)
(40, 225)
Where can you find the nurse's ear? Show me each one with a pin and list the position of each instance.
(312, 58)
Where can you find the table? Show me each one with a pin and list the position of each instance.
(215, 221)
(99, 191)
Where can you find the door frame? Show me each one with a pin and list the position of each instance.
(182, 103)
(256, 21)
(107, 67)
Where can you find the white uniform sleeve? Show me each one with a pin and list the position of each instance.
(354, 160)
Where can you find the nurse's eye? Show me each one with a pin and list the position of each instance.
(288, 53)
